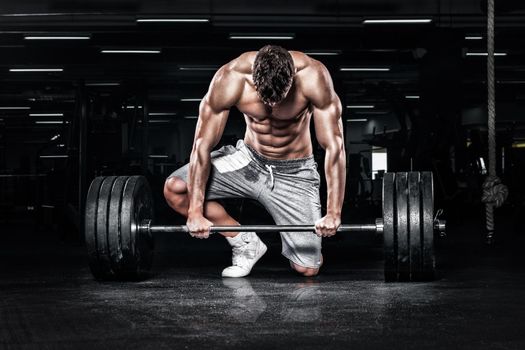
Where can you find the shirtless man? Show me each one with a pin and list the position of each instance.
(278, 92)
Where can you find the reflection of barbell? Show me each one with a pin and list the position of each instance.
(119, 230)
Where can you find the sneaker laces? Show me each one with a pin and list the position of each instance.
(242, 254)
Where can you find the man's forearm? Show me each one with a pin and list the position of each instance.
(199, 171)
(335, 170)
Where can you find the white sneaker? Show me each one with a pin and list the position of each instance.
(247, 250)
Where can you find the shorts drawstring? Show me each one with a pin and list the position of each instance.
(270, 169)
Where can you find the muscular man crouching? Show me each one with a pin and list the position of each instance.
(278, 92)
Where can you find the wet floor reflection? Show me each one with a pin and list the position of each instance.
(246, 305)
(303, 304)
(299, 302)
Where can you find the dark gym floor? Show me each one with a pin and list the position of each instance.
(49, 299)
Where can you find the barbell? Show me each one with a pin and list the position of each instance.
(119, 228)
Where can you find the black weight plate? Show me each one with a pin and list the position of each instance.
(102, 224)
(114, 230)
(414, 226)
(90, 227)
(401, 227)
(137, 205)
(143, 210)
(389, 244)
(428, 257)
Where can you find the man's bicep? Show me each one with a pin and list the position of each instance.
(326, 105)
(223, 93)
(328, 123)
(210, 125)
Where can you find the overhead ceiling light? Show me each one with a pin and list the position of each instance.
(133, 107)
(511, 81)
(50, 122)
(131, 51)
(55, 156)
(241, 36)
(159, 121)
(103, 84)
(473, 37)
(214, 68)
(485, 54)
(158, 156)
(364, 69)
(36, 70)
(398, 21)
(55, 137)
(412, 97)
(31, 14)
(357, 120)
(360, 106)
(323, 53)
(370, 112)
(32, 37)
(46, 114)
(191, 117)
(191, 99)
(14, 108)
(161, 113)
(172, 20)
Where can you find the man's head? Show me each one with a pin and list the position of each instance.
(273, 72)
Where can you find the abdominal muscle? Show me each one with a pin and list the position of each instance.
(279, 138)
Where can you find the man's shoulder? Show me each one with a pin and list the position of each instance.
(242, 64)
(311, 72)
(306, 64)
(301, 60)
(235, 71)
(228, 73)
(228, 83)
(314, 81)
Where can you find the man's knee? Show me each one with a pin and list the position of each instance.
(305, 271)
(175, 191)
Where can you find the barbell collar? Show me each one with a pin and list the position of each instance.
(440, 226)
(379, 225)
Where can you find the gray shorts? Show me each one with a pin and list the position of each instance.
(288, 189)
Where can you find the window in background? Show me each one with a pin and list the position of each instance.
(379, 162)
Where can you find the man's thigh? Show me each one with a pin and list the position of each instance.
(295, 201)
(227, 174)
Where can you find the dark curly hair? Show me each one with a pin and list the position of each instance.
(273, 72)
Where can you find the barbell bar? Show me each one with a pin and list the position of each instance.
(377, 228)
(146, 226)
(119, 229)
